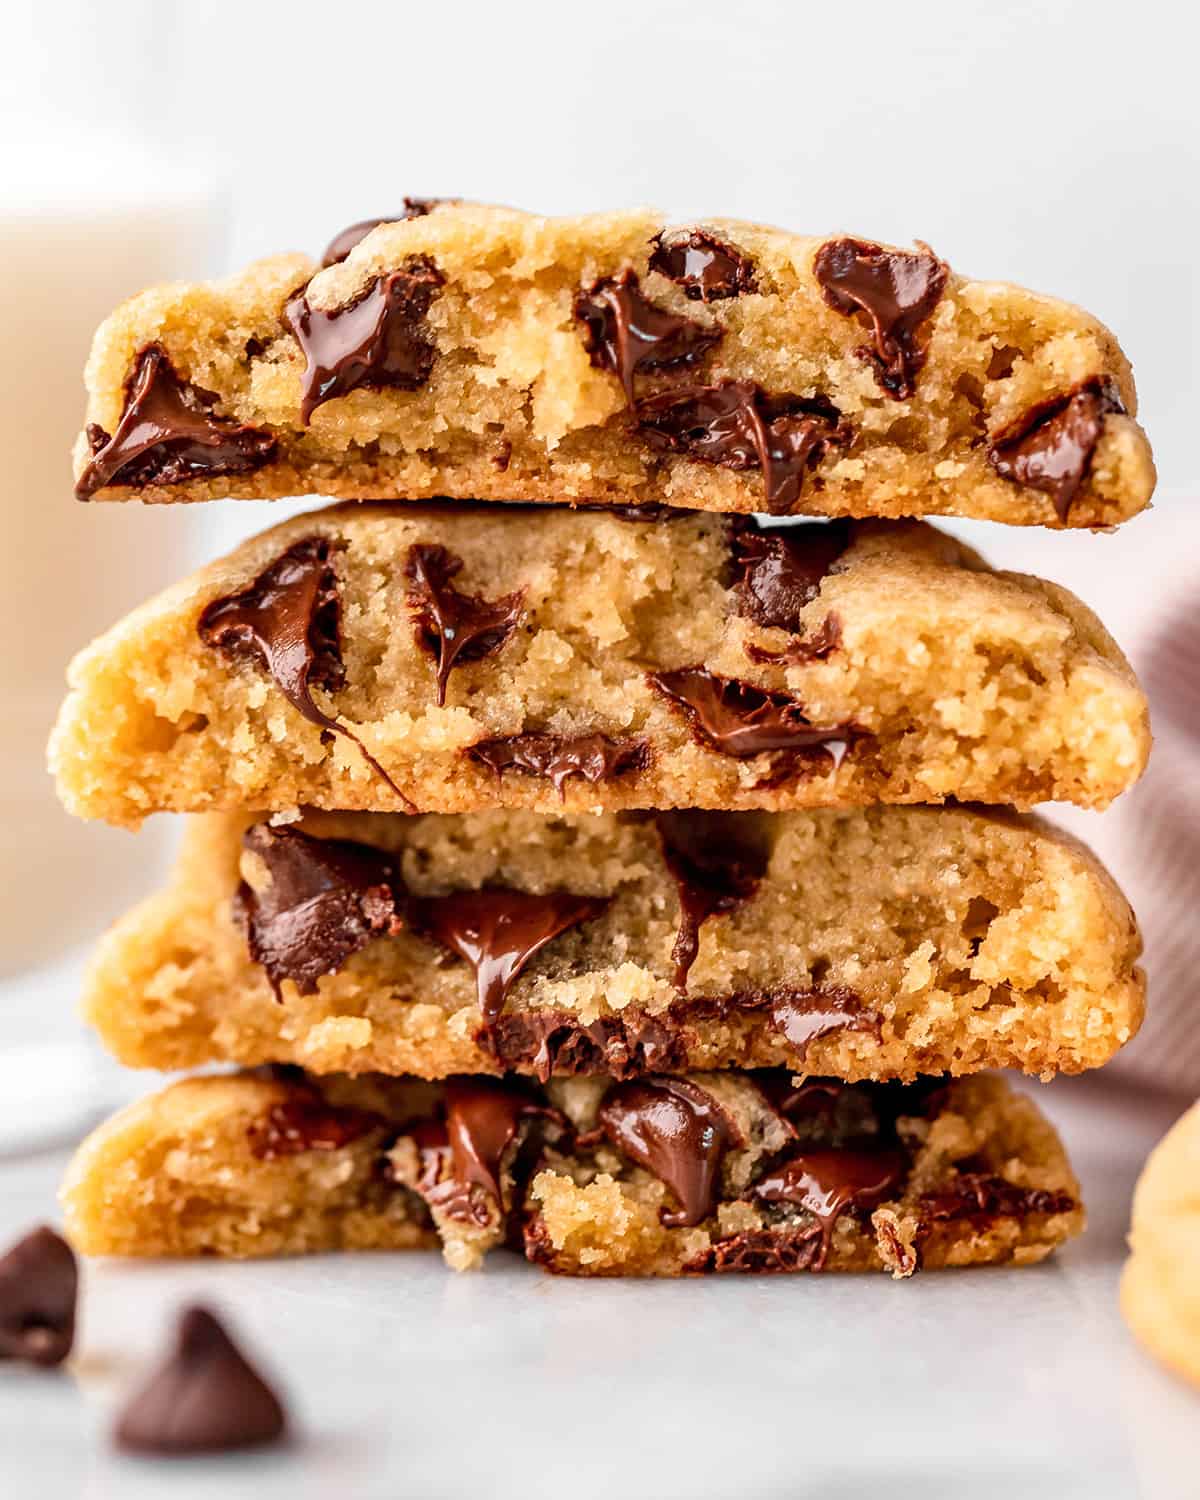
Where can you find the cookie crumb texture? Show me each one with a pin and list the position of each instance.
(481, 352)
(718, 1172)
(879, 943)
(460, 657)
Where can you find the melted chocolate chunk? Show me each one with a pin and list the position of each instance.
(450, 626)
(895, 291)
(378, 340)
(341, 245)
(737, 425)
(816, 646)
(782, 567)
(497, 931)
(678, 1132)
(39, 1285)
(737, 719)
(168, 433)
(327, 899)
(1050, 448)
(707, 268)
(308, 1122)
(815, 1098)
(204, 1398)
(716, 867)
(830, 1182)
(983, 1195)
(626, 333)
(593, 757)
(557, 1044)
(759, 1252)
(802, 1016)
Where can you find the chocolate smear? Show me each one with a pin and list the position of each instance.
(450, 626)
(982, 1195)
(341, 245)
(781, 568)
(894, 291)
(327, 898)
(625, 333)
(306, 1121)
(737, 425)
(759, 1252)
(378, 340)
(1050, 448)
(707, 268)
(738, 719)
(555, 1043)
(827, 1183)
(803, 1016)
(497, 931)
(169, 433)
(817, 645)
(592, 757)
(678, 1132)
(205, 1397)
(716, 866)
(39, 1285)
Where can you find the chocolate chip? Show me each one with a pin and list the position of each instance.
(497, 931)
(450, 626)
(289, 622)
(308, 1122)
(737, 719)
(817, 645)
(341, 245)
(676, 1131)
(557, 1044)
(1050, 448)
(737, 425)
(895, 291)
(204, 1398)
(827, 1183)
(592, 757)
(782, 567)
(716, 865)
(378, 340)
(168, 433)
(626, 333)
(327, 898)
(707, 268)
(983, 1195)
(39, 1283)
(759, 1252)
(802, 1016)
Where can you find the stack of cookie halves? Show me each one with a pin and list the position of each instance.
(632, 875)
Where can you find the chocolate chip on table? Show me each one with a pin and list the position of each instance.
(205, 1397)
(451, 626)
(327, 899)
(39, 1285)
(782, 567)
(738, 719)
(626, 333)
(716, 867)
(707, 268)
(1050, 447)
(378, 340)
(341, 245)
(169, 433)
(894, 291)
(829, 1182)
(592, 757)
(736, 425)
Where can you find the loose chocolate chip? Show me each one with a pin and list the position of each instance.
(983, 1195)
(557, 1044)
(592, 757)
(39, 1283)
(377, 340)
(830, 1182)
(782, 567)
(327, 898)
(626, 333)
(168, 433)
(204, 1398)
(341, 245)
(895, 290)
(803, 1016)
(737, 425)
(497, 931)
(716, 865)
(450, 626)
(707, 268)
(738, 719)
(678, 1132)
(305, 1121)
(1050, 448)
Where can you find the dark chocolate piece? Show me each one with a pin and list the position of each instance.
(497, 931)
(450, 626)
(204, 1398)
(306, 1121)
(625, 333)
(984, 1195)
(327, 899)
(169, 433)
(377, 340)
(737, 425)
(830, 1182)
(738, 719)
(341, 245)
(557, 1044)
(818, 645)
(39, 1285)
(1050, 448)
(707, 268)
(593, 757)
(678, 1132)
(802, 1016)
(759, 1252)
(716, 867)
(782, 567)
(895, 291)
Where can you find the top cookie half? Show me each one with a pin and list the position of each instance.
(484, 353)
